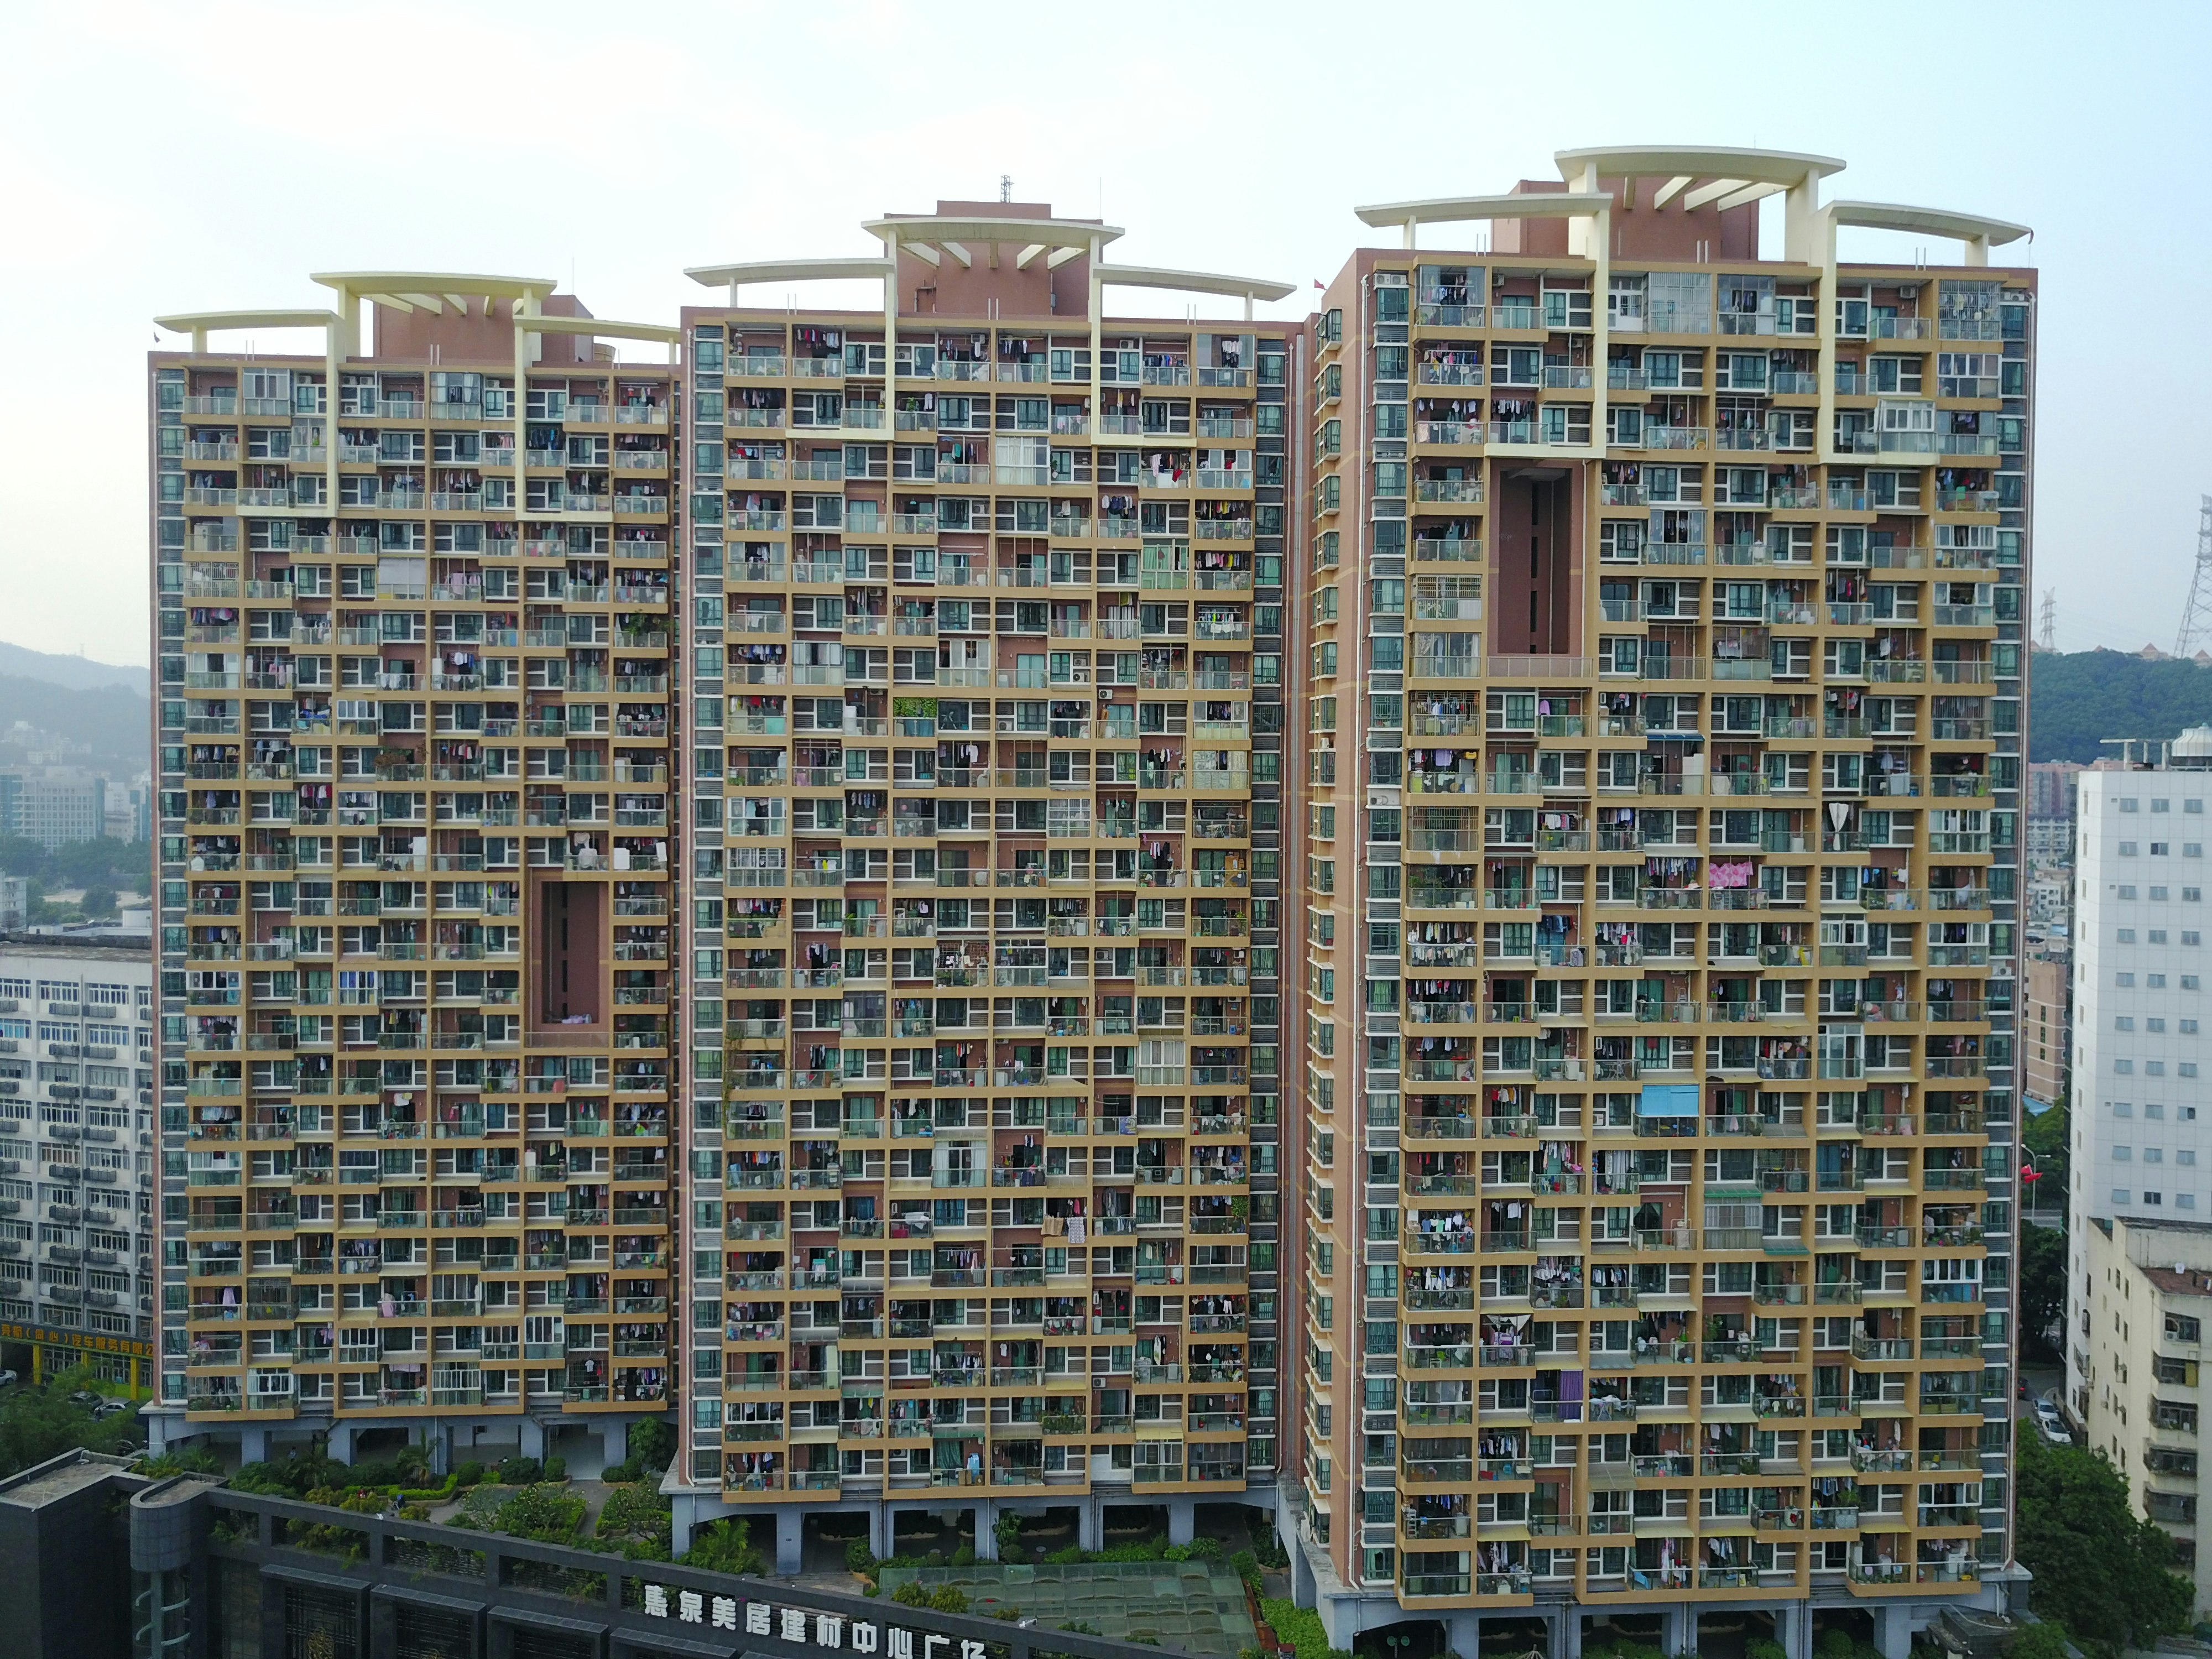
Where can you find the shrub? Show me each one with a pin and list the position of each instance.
(542, 1512)
(1009, 1612)
(517, 1470)
(1300, 1627)
(948, 1598)
(1761, 1647)
(1085, 1627)
(557, 1468)
(965, 1555)
(470, 1473)
(1248, 1567)
(1073, 1555)
(858, 1558)
(911, 1594)
(724, 1547)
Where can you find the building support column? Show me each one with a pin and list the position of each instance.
(1091, 1523)
(790, 1539)
(1183, 1520)
(1305, 1590)
(986, 1541)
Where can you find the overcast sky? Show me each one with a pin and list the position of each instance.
(157, 158)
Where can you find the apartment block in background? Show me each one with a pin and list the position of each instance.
(2138, 1095)
(984, 593)
(412, 628)
(76, 1157)
(1658, 840)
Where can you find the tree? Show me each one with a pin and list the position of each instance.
(2042, 1284)
(2047, 1135)
(39, 1423)
(2100, 1570)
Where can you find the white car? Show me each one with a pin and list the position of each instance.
(2054, 1428)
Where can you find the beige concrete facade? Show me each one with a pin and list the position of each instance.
(412, 616)
(1657, 831)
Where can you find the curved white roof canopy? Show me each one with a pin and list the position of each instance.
(200, 324)
(1978, 233)
(1460, 210)
(735, 276)
(1247, 289)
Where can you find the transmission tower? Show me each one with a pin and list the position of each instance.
(2197, 618)
(2047, 625)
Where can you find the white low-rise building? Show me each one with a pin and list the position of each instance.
(77, 1155)
(2142, 1322)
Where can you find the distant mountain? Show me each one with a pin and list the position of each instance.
(72, 673)
(2076, 698)
(114, 721)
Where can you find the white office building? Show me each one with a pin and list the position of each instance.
(2140, 1149)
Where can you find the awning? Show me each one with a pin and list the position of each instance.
(1668, 1100)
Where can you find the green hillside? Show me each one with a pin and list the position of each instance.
(2078, 698)
(112, 721)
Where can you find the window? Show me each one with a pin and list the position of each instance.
(2127, 891)
(2124, 981)
(2155, 935)
(2123, 1108)
(2192, 894)
(2157, 893)
(2124, 1022)
(2184, 1200)
(2186, 1155)
(2158, 805)
(2127, 803)
(2120, 1196)
(2160, 849)
(2189, 982)
(2153, 1155)
(2155, 981)
(2122, 1154)
(2153, 1023)
(2125, 935)
(2197, 806)
(2127, 849)
(2152, 1198)
(2189, 1028)
(2189, 936)
(2124, 1068)
(2193, 849)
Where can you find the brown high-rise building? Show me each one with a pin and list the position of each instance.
(413, 626)
(985, 588)
(1660, 638)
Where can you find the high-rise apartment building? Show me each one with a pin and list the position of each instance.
(1659, 693)
(905, 1081)
(412, 637)
(2138, 963)
(984, 668)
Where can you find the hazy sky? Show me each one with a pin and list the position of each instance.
(157, 158)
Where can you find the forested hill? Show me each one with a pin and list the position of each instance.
(2076, 698)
